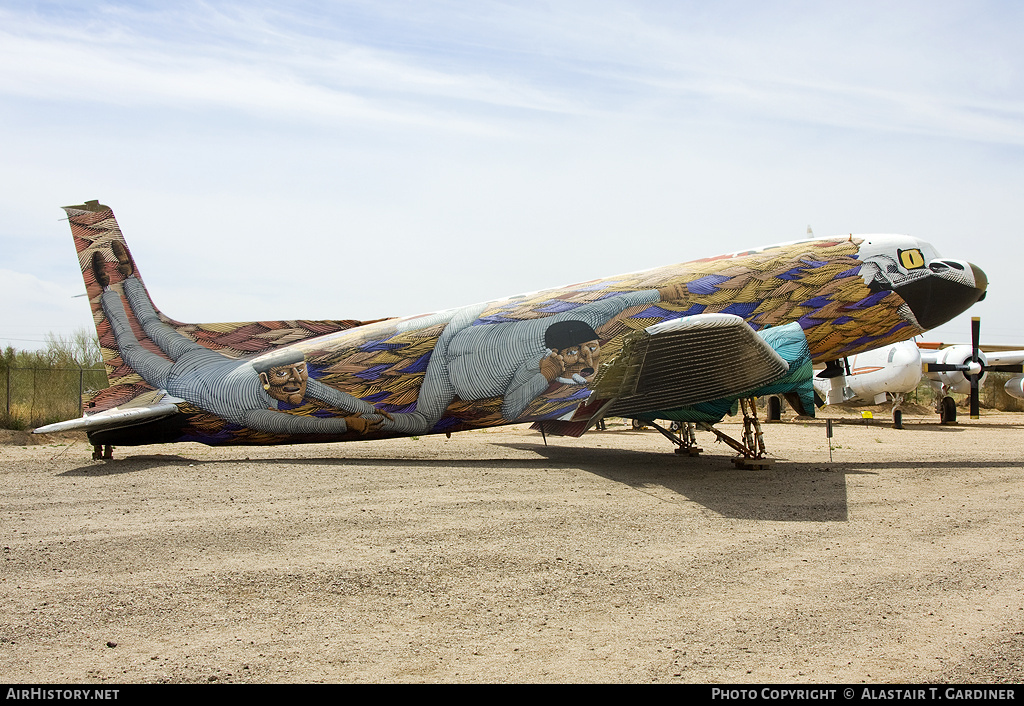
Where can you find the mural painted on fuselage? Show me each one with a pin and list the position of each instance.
(815, 283)
(497, 362)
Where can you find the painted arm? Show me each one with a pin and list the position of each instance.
(598, 313)
(166, 338)
(518, 398)
(153, 369)
(272, 422)
(337, 399)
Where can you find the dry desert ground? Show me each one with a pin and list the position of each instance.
(492, 557)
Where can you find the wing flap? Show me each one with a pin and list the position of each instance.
(686, 361)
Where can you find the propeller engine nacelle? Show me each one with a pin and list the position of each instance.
(960, 357)
(1015, 387)
(962, 369)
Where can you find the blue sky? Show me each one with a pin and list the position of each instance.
(368, 159)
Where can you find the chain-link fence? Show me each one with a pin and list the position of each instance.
(37, 396)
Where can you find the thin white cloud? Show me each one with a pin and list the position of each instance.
(467, 71)
(309, 79)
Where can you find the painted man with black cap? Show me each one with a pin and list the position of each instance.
(513, 360)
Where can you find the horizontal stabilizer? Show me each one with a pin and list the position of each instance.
(686, 361)
(117, 417)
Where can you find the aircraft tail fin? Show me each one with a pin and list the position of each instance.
(107, 264)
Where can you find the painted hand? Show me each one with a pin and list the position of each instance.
(552, 366)
(362, 426)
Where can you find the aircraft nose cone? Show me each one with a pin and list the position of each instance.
(944, 293)
(980, 281)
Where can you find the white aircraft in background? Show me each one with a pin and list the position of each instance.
(894, 371)
(873, 377)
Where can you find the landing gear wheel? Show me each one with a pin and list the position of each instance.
(897, 419)
(947, 410)
(774, 409)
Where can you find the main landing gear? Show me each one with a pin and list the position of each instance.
(683, 435)
(947, 410)
(750, 447)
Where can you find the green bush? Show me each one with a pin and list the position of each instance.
(45, 386)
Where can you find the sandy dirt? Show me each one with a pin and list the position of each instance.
(490, 557)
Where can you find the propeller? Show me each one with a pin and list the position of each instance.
(973, 368)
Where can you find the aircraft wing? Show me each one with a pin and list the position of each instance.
(144, 408)
(1013, 358)
(686, 361)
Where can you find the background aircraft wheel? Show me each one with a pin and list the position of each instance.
(774, 409)
(947, 412)
(638, 424)
(897, 419)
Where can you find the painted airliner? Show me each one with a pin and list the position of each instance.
(679, 343)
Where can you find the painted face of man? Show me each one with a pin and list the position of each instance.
(582, 359)
(287, 383)
(570, 356)
(591, 357)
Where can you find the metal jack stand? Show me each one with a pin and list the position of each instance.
(685, 440)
